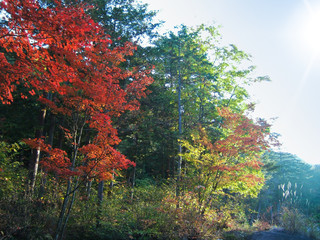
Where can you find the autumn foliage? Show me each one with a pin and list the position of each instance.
(232, 163)
(64, 58)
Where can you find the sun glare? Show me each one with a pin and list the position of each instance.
(311, 28)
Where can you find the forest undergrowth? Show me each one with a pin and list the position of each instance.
(149, 211)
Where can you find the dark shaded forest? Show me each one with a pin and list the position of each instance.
(109, 130)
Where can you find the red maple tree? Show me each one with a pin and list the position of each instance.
(61, 55)
(62, 52)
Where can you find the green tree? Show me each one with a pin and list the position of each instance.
(124, 20)
(211, 76)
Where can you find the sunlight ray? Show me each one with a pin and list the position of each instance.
(299, 89)
(306, 74)
(312, 37)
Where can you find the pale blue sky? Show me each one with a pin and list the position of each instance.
(276, 33)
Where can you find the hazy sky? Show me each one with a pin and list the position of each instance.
(282, 36)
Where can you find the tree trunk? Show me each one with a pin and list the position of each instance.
(35, 158)
(69, 208)
(49, 141)
(100, 199)
(88, 192)
(180, 133)
(63, 210)
(111, 186)
(89, 184)
(66, 209)
(67, 203)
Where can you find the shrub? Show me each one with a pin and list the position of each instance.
(261, 225)
(295, 222)
(292, 220)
